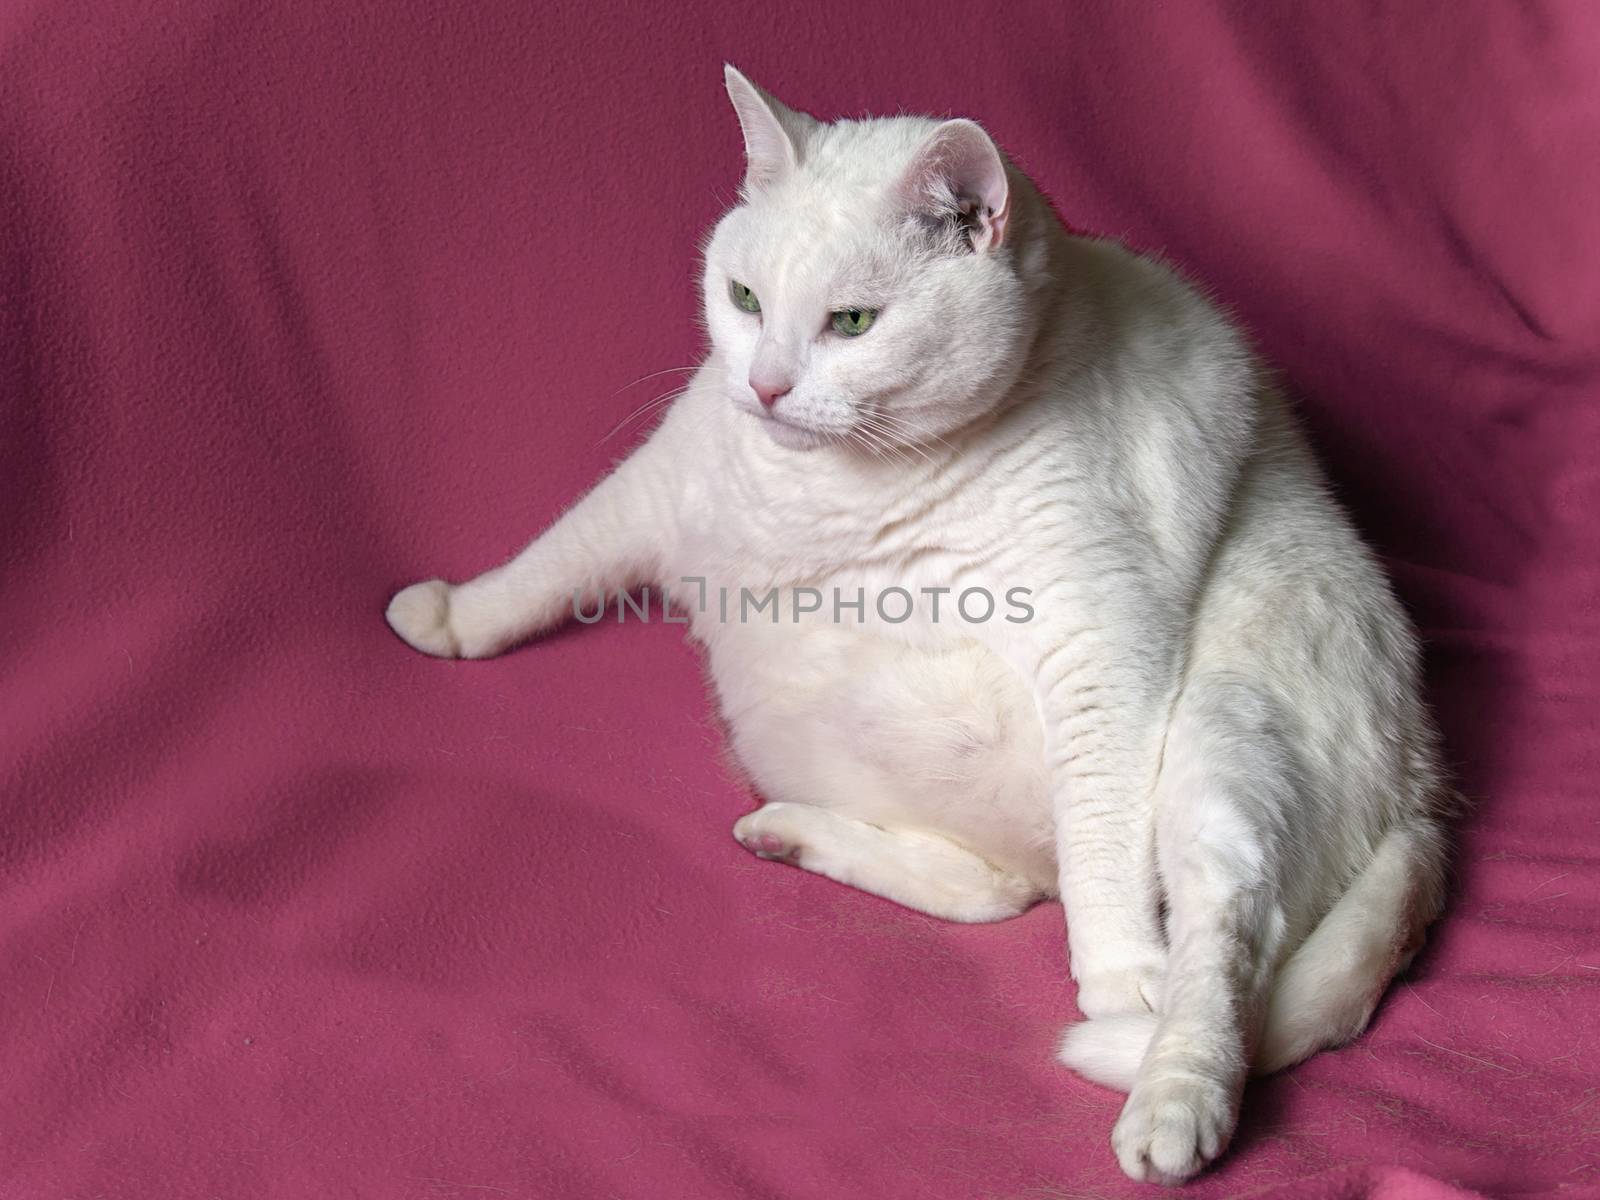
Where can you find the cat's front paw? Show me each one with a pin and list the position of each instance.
(1172, 1127)
(420, 614)
(1120, 991)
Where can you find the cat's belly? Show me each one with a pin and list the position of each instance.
(939, 736)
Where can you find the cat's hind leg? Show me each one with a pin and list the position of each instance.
(920, 870)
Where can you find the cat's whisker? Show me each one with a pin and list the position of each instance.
(656, 375)
(872, 437)
(872, 443)
(902, 424)
(644, 410)
(889, 436)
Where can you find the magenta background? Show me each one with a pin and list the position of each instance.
(301, 301)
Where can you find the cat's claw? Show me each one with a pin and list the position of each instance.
(1171, 1128)
(420, 614)
(1122, 991)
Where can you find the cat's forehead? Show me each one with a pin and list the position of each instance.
(866, 154)
(822, 222)
(806, 244)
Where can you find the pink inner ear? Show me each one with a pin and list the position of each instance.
(960, 162)
(767, 150)
(769, 130)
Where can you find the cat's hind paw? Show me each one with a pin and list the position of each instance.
(420, 614)
(1171, 1128)
(770, 833)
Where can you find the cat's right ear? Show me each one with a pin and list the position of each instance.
(774, 136)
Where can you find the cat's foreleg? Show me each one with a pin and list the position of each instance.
(920, 870)
(607, 541)
(1103, 699)
(1105, 853)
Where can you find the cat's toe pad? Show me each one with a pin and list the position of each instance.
(420, 614)
(1171, 1128)
(759, 833)
(768, 845)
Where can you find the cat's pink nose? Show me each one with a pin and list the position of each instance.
(767, 390)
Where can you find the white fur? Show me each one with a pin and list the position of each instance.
(1215, 707)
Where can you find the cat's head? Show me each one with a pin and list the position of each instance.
(867, 290)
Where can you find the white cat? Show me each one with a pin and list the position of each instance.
(1194, 712)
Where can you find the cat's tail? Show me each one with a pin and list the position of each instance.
(1327, 989)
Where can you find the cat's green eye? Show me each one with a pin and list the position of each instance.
(853, 322)
(744, 297)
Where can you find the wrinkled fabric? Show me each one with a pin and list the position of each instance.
(301, 302)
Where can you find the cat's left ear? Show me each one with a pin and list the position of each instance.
(959, 172)
(774, 136)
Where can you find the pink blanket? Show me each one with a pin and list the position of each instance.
(301, 301)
